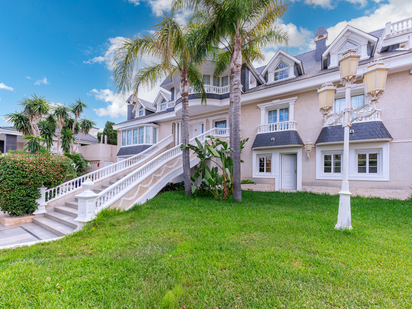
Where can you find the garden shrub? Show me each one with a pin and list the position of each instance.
(80, 163)
(173, 186)
(21, 176)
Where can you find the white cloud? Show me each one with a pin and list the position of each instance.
(135, 2)
(331, 4)
(116, 103)
(55, 105)
(394, 11)
(42, 81)
(107, 58)
(3, 86)
(28, 77)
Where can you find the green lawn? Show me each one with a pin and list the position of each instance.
(273, 250)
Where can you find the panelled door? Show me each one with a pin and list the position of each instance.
(289, 163)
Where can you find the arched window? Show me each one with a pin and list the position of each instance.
(281, 71)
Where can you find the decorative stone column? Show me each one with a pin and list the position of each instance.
(41, 201)
(86, 204)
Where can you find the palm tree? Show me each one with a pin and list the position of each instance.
(35, 109)
(47, 128)
(20, 122)
(85, 125)
(67, 136)
(243, 27)
(33, 144)
(176, 47)
(61, 114)
(77, 109)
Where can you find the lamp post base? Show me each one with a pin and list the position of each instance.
(344, 214)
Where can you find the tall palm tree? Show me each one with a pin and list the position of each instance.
(77, 109)
(85, 126)
(175, 47)
(243, 27)
(61, 114)
(35, 109)
(47, 128)
(67, 136)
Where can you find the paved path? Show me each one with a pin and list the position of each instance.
(24, 233)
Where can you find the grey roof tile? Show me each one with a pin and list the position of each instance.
(87, 138)
(280, 139)
(132, 150)
(362, 130)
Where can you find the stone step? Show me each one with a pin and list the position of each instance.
(53, 226)
(71, 204)
(66, 210)
(97, 191)
(61, 218)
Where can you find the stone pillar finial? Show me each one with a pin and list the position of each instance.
(86, 204)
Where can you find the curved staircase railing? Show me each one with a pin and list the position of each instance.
(73, 185)
(91, 203)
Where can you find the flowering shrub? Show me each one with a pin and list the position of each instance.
(21, 176)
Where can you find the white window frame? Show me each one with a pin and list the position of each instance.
(368, 152)
(355, 147)
(286, 69)
(277, 104)
(228, 80)
(145, 141)
(141, 111)
(163, 103)
(264, 155)
(332, 173)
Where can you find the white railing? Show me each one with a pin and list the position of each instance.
(170, 104)
(277, 127)
(375, 117)
(212, 89)
(100, 174)
(404, 25)
(112, 193)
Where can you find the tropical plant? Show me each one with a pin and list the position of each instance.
(61, 113)
(109, 132)
(47, 128)
(33, 144)
(67, 136)
(242, 27)
(80, 165)
(77, 109)
(176, 47)
(85, 126)
(220, 185)
(20, 122)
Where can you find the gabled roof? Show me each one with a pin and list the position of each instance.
(160, 96)
(279, 53)
(146, 104)
(86, 138)
(349, 28)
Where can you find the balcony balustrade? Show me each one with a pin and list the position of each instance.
(277, 127)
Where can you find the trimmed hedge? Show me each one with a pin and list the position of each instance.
(21, 176)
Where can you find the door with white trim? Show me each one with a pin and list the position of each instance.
(289, 167)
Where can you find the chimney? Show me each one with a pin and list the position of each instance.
(101, 138)
(105, 139)
(320, 39)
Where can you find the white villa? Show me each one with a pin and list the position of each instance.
(280, 114)
(290, 146)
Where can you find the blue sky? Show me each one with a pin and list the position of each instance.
(62, 49)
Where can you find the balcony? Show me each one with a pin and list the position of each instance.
(374, 117)
(399, 27)
(277, 127)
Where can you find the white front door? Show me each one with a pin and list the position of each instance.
(289, 172)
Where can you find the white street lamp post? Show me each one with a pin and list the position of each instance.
(374, 82)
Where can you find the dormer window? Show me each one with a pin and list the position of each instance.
(163, 105)
(281, 71)
(347, 46)
(141, 111)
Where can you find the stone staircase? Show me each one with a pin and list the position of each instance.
(59, 219)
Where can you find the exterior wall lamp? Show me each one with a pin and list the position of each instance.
(308, 148)
(375, 81)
